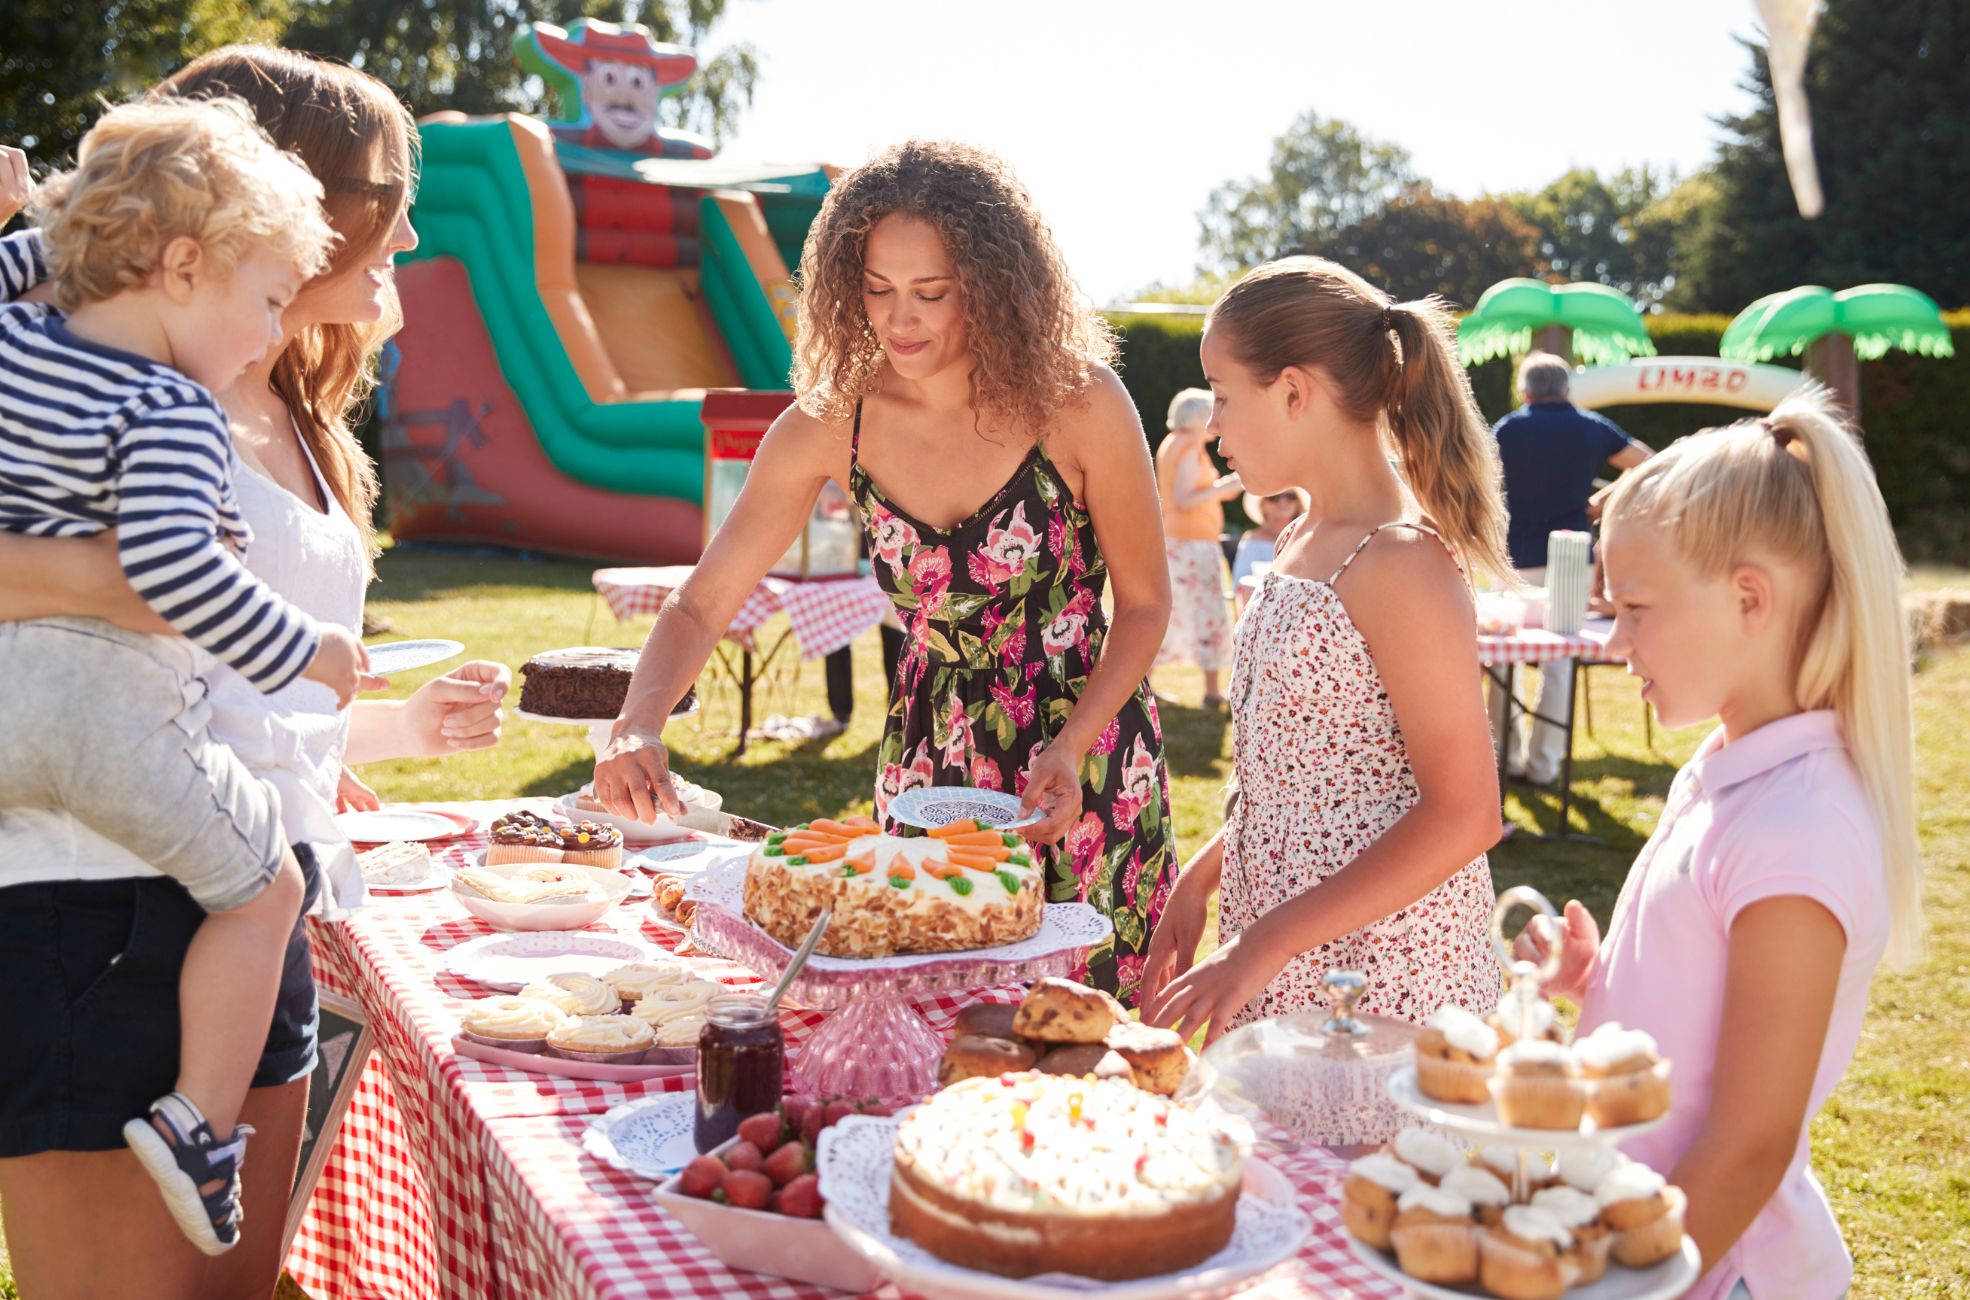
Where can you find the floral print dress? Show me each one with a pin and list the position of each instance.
(1322, 773)
(1004, 624)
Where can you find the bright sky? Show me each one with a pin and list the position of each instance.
(1122, 115)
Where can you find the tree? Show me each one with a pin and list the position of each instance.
(1325, 176)
(1889, 83)
(59, 58)
(1592, 229)
(1424, 242)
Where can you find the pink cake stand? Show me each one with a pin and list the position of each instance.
(873, 1042)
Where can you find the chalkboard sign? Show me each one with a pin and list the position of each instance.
(344, 1043)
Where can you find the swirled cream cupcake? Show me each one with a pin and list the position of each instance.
(680, 1031)
(662, 1005)
(633, 981)
(511, 1021)
(576, 994)
(602, 1040)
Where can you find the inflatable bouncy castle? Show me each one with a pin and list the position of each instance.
(577, 287)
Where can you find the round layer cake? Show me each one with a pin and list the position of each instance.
(585, 682)
(1034, 1173)
(892, 895)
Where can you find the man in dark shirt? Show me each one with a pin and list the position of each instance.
(1551, 451)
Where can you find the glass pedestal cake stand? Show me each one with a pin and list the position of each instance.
(873, 1043)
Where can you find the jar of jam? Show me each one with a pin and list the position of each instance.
(741, 1065)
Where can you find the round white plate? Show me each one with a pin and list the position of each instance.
(856, 1157)
(927, 807)
(1663, 1281)
(402, 656)
(675, 858)
(1481, 1123)
(509, 962)
(651, 1138)
(388, 824)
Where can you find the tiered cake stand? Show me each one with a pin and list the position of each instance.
(873, 1043)
(1480, 1124)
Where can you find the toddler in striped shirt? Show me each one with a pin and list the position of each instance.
(174, 247)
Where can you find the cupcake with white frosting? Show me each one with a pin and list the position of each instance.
(1583, 1168)
(1368, 1196)
(1486, 1192)
(1628, 1082)
(1645, 1213)
(1579, 1214)
(1429, 1155)
(1434, 1236)
(1455, 1056)
(1525, 1015)
(1538, 1085)
(1526, 1256)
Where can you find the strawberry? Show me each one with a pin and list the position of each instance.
(795, 1109)
(811, 1123)
(763, 1131)
(743, 1155)
(836, 1111)
(747, 1189)
(702, 1176)
(801, 1198)
(788, 1163)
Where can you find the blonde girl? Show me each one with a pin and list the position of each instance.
(1367, 790)
(1756, 581)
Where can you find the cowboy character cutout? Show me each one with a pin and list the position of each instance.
(613, 76)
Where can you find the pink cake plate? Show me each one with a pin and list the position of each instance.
(874, 1043)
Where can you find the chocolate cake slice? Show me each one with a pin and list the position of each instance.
(584, 682)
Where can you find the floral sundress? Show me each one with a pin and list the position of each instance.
(1004, 624)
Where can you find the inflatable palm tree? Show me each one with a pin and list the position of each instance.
(1598, 323)
(1837, 331)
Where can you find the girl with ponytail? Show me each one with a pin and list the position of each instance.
(1755, 580)
(1368, 793)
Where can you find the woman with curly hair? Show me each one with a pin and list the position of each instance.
(952, 380)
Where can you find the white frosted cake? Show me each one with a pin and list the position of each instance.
(1035, 1173)
(893, 895)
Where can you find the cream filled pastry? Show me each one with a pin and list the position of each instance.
(576, 994)
(511, 1021)
(611, 1039)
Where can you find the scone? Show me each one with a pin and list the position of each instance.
(1627, 1082)
(602, 1040)
(1579, 1214)
(1645, 1214)
(1368, 1196)
(1455, 1055)
(972, 1056)
(576, 994)
(1060, 1011)
(1538, 1085)
(1080, 1059)
(1156, 1056)
(1426, 1153)
(1434, 1238)
(989, 1019)
(1486, 1192)
(510, 1021)
(1525, 1256)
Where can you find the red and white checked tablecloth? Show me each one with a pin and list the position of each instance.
(1534, 645)
(826, 613)
(453, 1177)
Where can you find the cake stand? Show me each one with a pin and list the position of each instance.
(1662, 1281)
(873, 1043)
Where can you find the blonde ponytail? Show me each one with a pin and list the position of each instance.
(1449, 457)
(1308, 311)
(1797, 485)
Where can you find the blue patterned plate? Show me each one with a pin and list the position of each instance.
(927, 807)
(394, 657)
(651, 1138)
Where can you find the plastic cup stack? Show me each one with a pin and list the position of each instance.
(1567, 570)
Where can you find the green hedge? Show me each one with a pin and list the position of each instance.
(1912, 407)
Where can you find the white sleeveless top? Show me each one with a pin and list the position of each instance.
(293, 739)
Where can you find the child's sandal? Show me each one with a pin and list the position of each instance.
(190, 1158)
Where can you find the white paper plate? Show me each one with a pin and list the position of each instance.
(931, 806)
(402, 656)
(509, 962)
(1664, 1281)
(388, 824)
(856, 1159)
(651, 1138)
(1481, 1123)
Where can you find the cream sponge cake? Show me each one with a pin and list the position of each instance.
(955, 889)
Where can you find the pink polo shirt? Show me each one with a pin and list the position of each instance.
(1780, 812)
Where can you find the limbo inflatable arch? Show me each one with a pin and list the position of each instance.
(1754, 386)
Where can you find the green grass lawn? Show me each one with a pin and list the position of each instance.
(1891, 1146)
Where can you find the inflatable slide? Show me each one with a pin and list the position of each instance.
(568, 305)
